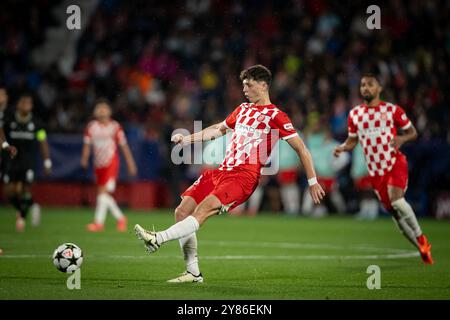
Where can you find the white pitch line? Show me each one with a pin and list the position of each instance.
(390, 253)
(239, 257)
(286, 245)
(296, 245)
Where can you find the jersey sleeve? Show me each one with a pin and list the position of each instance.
(87, 136)
(41, 133)
(352, 129)
(401, 120)
(230, 121)
(120, 137)
(286, 129)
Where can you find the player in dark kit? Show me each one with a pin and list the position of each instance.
(6, 150)
(25, 132)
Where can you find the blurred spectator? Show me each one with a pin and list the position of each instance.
(321, 145)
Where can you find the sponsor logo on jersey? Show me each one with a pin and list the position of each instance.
(243, 128)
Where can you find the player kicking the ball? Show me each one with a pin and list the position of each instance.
(104, 134)
(256, 128)
(375, 124)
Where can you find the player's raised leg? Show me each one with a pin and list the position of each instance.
(406, 221)
(208, 207)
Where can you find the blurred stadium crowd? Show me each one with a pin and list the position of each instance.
(164, 66)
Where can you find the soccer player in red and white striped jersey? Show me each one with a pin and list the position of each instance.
(256, 126)
(103, 135)
(375, 124)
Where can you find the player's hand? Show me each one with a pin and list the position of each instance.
(84, 163)
(338, 150)
(397, 142)
(12, 151)
(179, 139)
(317, 193)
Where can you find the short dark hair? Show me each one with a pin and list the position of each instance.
(371, 75)
(257, 73)
(101, 101)
(26, 94)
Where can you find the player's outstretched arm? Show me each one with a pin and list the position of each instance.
(131, 164)
(5, 145)
(212, 132)
(316, 191)
(45, 150)
(348, 145)
(85, 154)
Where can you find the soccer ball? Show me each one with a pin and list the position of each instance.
(68, 257)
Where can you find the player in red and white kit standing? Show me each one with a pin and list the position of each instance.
(256, 126)
(103, 135)
(375, 123)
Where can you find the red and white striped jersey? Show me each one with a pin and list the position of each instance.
(256, 130)
(376, 127)
(104, 139)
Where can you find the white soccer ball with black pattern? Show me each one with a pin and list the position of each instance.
(68, 257)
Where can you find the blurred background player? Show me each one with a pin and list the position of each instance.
(368, 203)
(103, 135)
(321, 145)
(375, 124)
(25, 132)
(6, 149)
(3, 103)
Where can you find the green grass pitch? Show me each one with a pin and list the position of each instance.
(264, 257)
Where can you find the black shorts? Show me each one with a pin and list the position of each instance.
(17, 173)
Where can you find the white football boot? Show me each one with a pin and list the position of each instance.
(149, 238)
(186, 277)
